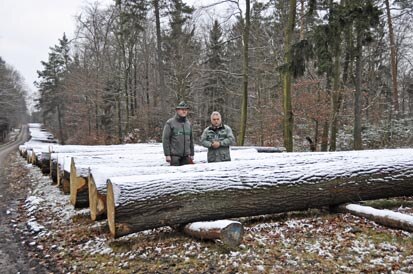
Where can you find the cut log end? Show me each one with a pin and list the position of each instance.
(97, 201)
(116, 229)
(110, 200)
(232, 234)
(92, 198)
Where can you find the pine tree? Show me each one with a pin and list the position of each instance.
(51, 85)
(181, 50)
(215, 77)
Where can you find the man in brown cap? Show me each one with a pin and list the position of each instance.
(177, 138)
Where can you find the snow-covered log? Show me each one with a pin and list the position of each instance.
(296, 182)
(261, 149)
(80, 170)
(229, 232)
(101, 173)
(140, 164)
(384, 217)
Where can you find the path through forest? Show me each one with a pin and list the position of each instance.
(13, 257)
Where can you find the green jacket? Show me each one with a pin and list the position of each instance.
(224, 135)
(177, 139)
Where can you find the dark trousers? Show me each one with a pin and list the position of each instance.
(180, 161)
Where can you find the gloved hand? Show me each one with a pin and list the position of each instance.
(168, 159)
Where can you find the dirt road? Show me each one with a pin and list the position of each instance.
(13, 258)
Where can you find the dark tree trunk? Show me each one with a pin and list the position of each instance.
(357, 94)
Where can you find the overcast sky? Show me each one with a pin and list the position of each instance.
(29, 27)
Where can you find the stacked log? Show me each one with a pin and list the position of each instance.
(99, 174)
(79, 171)
(152, 201)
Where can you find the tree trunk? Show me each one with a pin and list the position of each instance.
(229, 232)
(244, 105)
(324, 137)
(393, 59)
(335, 99)
(383, 217)
(287, 106)
(59, 119)
(357, 94)
(266, 187)
(161, 91)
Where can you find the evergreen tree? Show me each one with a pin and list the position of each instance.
(181, 52)
(51, 85)
(215, 77)
(13, 110)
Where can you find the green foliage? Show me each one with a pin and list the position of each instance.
(132, 14)
(52, 77)
(215, 77)
(301, 52)
(181, 48)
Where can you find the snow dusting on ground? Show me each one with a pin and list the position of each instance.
(300, 242)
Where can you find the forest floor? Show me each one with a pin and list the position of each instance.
(64, 240)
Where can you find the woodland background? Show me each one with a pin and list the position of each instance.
(339, 72)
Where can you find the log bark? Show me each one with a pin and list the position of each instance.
(243, 159)
(79, 196)
(229, 232)
(64, 184)
(383, 217)
(53, 171)
(44, 162)
(278, 185)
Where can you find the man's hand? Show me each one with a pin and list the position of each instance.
(168, 159)
(215, 144)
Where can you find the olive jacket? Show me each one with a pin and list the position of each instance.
(224, 135)
(177, 138)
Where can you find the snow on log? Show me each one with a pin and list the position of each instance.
(296, 182)
(384, 217)
(79, 171)
(99, 174)
(229, 232)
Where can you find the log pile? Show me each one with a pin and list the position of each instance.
(152, 201)
(99, 174)
(137, 190)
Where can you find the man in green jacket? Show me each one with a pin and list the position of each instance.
(177, 139)
(217, 138)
